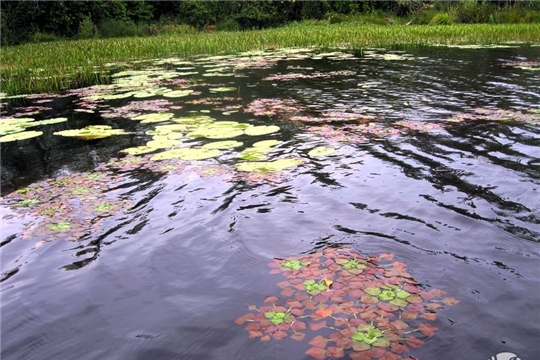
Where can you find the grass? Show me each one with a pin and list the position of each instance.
(53, 66)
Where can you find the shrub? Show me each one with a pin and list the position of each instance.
(336, 18)
(87, 29)
(228, 25)
(119, 28)
(441, 19)
(39, 37)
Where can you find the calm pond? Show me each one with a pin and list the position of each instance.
(288, 204)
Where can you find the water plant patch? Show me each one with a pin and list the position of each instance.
(364, 306)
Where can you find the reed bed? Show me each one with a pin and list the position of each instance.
(54, 66)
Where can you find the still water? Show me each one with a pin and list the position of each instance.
(429, 154)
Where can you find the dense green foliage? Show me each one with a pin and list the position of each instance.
(39, 21)
(54, 66)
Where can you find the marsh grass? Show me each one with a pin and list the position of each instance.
(53, 66)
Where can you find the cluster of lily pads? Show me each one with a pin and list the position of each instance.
(13, 129)
(66, 207)
(531, 116)
(523, 65)
(365, 307)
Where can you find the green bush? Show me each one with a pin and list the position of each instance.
(441, 19)
(228, 25)
(112, 28)
(87, 29)
(39, 37)
(335, 18)
(176, 29)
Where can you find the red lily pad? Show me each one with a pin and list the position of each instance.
(450, 301)
(300, 296)
(298, 326)
(390, 356)
(283, 284)
(319, 341)
(278, 335)
(432, 293)
(266, 338)
(323, 312)
(287, 292)
(434, 306)
(297, 312)
(317, 325)
(334, 351)
(357, 294)
(399, 347)
(427, 329)
(400, 325)
(253, 326)
(360, 346)
(409, 315)
(341, 322)
(429, 316)
(414, 299)
(271, 300)
(274, 271)
(362, 355)
(413, 342)
(255, 334)
(240, 320)
(298, 336)
(317, 353)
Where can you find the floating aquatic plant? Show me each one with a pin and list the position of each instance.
(500, 115)
(268, 166)
(92, 132)
(21, 136)
(321, 151)
(322, 291)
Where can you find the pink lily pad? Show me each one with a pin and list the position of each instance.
(317, 353)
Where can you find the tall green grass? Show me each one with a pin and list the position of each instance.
(53, 66)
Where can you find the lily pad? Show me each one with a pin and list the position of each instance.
(261, 130)
(321, 151)
(92, 132)
(223, 89)
(177, 93)
(156, 117)
(223, 144)
(20, 136)
(60, 226)
(187, 154)
(266, 143)
(162, 143)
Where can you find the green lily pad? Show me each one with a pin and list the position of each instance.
(60, 226)
(399, 302)
(80, 191)
(223, 144)
(373, 291)
(261, 130)
(268, 166)
(194, 120)
(48, 121)
(177, 93)
(218, 130)
(138, 150)
(20, 136)
(402, 294)
(92, 132)
(162, 143)
(103, 207)
(253, 154)
(187, 154)
(27, 203)
(150, 92)
(321, 151)
(156, 117)
(293, 264)
(387, 295)
(266, 143)
(223, 89)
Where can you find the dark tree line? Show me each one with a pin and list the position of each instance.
(21, 20)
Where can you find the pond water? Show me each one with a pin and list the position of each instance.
(414, 174)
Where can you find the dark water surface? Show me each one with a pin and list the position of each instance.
(165, 277)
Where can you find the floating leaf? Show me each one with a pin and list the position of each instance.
(20, 136)
(186, 154)
(261, 130)
(222, 89)
(155, 117)
(324, 312)
(103, 207)
(450, 301)
(321, 151)
(177, 93)
(138, 150)
(298, 336)
(60, 226)
(427, 329)
(223, 144)
(92, 132)
(316, 353)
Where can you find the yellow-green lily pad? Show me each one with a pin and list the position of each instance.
(92, 132)
(223, 89)
(187, 154)
(177, 93)
(138, 150)
(20, 136)
(223, 144)
(163, 143)
(266, 143)
(156, 117)
(261, 130)
(321, 151)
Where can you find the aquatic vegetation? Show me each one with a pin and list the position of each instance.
(501, 115)
(187, 154)
(294, 76)
(137, 108)
(366, 306)
(268, 166)
(421, 126)
(20, 136)
(270, 107)
(321, 151)
(92, 132)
